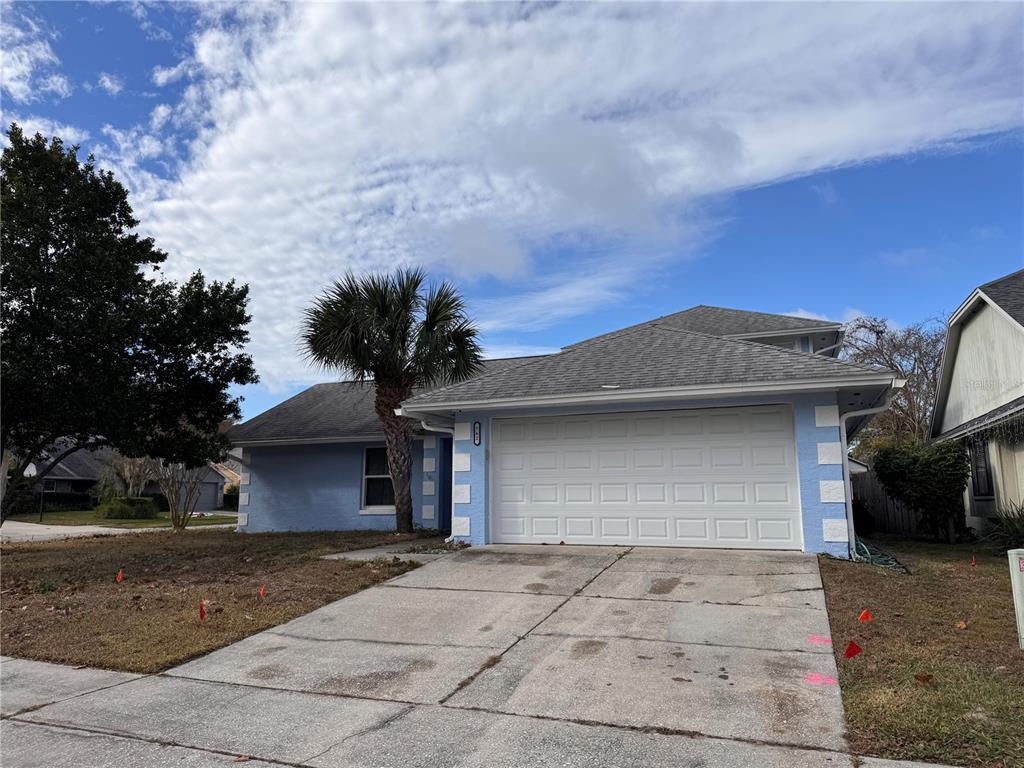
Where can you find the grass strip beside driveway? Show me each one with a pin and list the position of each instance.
(60, 600)
(941, 677)
(89, 517)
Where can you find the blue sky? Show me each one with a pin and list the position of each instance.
(573, 168)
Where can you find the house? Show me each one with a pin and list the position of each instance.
(80, 472)
(710, 427)
(980, 397)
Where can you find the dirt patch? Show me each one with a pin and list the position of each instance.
(663, 586)
(60, 601)
(947, 623)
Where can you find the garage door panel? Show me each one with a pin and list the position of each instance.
(709, 477)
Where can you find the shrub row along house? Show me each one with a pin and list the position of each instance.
(981, 394)
(710, 427)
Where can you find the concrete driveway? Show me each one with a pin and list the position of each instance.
(491, 657)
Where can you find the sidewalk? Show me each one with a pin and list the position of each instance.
(16, 530)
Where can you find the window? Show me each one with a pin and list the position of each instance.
(49, 485)
(377, 488)
(981, 472)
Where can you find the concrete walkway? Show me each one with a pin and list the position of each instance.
(16, 530)
(489, 657)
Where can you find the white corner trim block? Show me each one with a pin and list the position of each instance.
(243, 499)
(429, 464)
(830, 453)
(461, 462)
(834, 529)
(243, 519)
(429, 441)
(243, 479)
(428, 511)
(826, 415)
(428, 487)
(463, 430)
(460, 526)
(832, 491)
(460, 494)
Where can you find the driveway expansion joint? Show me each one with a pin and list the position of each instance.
(653, 729)
(496, 659)
(812, 652)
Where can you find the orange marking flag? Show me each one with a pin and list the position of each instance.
(202, 610)
(865, 615)
(852, 650)
(120, 575)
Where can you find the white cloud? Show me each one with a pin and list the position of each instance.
(32, 124)
(826, 192)
(488, 140)
(158, 117)
(29, 67)
(164, 75)
(112, 84)
(848, 314)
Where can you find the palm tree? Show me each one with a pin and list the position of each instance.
(401, 334)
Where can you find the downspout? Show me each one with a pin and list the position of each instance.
(847, 480)
(446, 431)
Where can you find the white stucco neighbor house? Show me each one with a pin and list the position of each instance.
(981, 394)
(710, 427)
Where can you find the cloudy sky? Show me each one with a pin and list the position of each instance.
(574, 168)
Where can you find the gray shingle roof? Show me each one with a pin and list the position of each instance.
(648, 356)
(340, 409)
(1008, 293)
(720, 321)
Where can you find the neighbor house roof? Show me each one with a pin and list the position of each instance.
(650, 356)
(340, 410)
(80, 465)
(721, 321)
(1008, 294)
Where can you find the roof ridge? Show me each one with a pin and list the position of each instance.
(1000, 279)
(759, 346)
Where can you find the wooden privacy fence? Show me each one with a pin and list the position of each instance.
(889, 515)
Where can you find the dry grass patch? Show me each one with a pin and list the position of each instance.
(60, 601)
(941, 677)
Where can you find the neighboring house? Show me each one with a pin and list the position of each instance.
(981, 394)
(82, 470)
(706, 428)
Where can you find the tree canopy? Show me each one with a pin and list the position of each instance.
(98, 348)
(399, 333)
(915, 353)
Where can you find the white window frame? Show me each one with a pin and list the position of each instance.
(381, 509)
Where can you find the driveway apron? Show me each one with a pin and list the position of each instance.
(495, 656)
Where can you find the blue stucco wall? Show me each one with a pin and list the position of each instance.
(319, 488)
(815, 510)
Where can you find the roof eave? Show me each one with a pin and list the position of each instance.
(631, 395)
(793, 332)
(272, 441)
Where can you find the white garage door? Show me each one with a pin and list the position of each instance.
(723, 477)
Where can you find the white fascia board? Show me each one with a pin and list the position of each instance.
(695, 392)
(796, 332)
(309, 440)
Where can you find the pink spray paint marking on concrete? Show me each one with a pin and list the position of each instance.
(816, 678)
(819, 640)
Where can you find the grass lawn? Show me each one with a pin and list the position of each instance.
(941, 677)
(60, 601)
(88, 517)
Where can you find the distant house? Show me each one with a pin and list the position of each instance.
(81, 471)
(981, 393)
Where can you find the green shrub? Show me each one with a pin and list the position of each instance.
(127, 508)
(930, 478)
(1006, 529)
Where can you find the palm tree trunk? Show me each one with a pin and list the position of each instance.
(398, 438)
